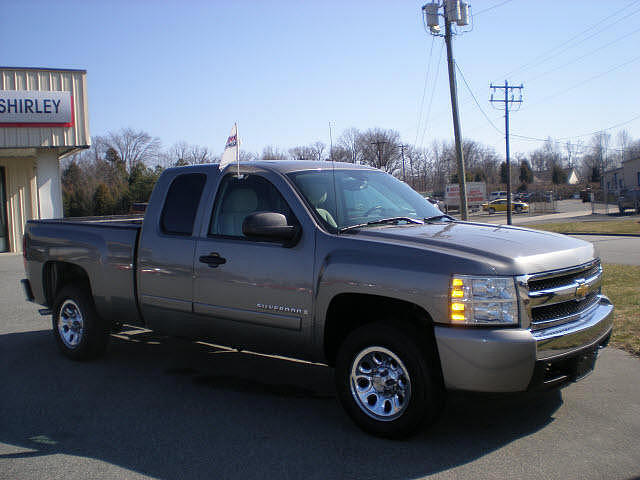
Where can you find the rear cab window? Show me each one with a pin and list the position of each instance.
(181, 204)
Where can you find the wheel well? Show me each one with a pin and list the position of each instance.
(56, 275)
(349, 311)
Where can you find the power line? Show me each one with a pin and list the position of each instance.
(424, 90)
(433, 91)
(617, 125)
(565, 64)
(579, 84)
(545, 56)
(476, 100)
(491, 8)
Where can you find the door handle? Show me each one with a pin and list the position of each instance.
(213, 259)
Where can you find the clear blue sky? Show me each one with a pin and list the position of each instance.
(187, 70)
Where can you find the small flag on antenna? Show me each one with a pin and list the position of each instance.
(230, 153)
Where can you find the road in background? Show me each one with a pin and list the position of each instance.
(161, 408)
(612, 249)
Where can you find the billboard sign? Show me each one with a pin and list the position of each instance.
(476, 194)
(30, 108)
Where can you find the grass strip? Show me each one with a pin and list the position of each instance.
(622, 286)
(595, 227)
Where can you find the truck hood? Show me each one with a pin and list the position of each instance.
(508, 250)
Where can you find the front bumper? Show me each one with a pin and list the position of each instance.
(513, 360)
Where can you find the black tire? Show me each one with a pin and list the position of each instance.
(79, 331)
(518, 209)
(492, 210)
(424, 393)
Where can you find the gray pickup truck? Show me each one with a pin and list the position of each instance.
(332, 263)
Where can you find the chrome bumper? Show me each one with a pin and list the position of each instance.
(509, 360)
(589, 329)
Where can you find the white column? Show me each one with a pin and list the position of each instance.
(49, 184)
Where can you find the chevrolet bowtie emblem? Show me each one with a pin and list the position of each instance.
(581, 291)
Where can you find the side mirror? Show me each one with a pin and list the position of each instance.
(270, 226)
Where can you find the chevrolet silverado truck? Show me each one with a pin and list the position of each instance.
(333, 263)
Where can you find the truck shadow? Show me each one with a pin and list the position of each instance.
(174, 409)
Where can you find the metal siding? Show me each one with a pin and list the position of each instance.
(48, 80)
(22, 202)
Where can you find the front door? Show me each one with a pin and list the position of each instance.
(257, 294)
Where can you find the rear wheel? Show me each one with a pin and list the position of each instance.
(385, 382)
(518, 208)
(492, 210)
(79, 332)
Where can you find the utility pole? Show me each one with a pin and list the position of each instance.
(377, 144)
(508, 99)
(404, 177)
(455, 11)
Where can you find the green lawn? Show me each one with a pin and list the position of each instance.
(603, 227)
(622, 286)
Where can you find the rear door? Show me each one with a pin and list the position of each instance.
(258, 294)
(165, 258)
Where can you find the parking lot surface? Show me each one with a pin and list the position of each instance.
(161, 408)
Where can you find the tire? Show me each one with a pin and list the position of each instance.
(492, 211)
(518, 209)
(79, 332)
(386, 382)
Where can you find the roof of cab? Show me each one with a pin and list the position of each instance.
(284, 166)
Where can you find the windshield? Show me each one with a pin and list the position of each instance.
(363, 196)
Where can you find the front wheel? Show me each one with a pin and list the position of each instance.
(79, 331)
(492, 211)
(385, 382)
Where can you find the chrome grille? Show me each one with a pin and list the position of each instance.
(562, 296)
(563, 279)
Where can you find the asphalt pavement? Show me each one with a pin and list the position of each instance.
(161, 408)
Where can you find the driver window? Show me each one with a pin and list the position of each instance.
(241, 196)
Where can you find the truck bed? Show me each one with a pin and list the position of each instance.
(103, 247)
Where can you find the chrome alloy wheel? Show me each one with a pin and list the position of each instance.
(380, 383)
(70, 324)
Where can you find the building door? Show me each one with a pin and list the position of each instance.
(4, 236)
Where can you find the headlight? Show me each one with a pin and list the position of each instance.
(483, 301)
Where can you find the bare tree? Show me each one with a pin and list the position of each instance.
(302, 153)
(318, 148)
(349, 140)
(271, 152)
(573, 150)
(380, 149)
(132, 146)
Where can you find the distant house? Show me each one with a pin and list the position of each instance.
(613, 180)
(626, 176)
(631, 173)
(546, 176)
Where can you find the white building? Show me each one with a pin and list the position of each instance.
(43, 118)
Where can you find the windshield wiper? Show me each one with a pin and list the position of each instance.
(382, 221)
(439, 217)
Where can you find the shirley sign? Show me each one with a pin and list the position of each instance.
(29, 108)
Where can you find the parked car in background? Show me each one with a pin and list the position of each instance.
(629, 199)
(497, 194)
(437, 203)
(500, 205)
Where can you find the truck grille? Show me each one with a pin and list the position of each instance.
(563, 296)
